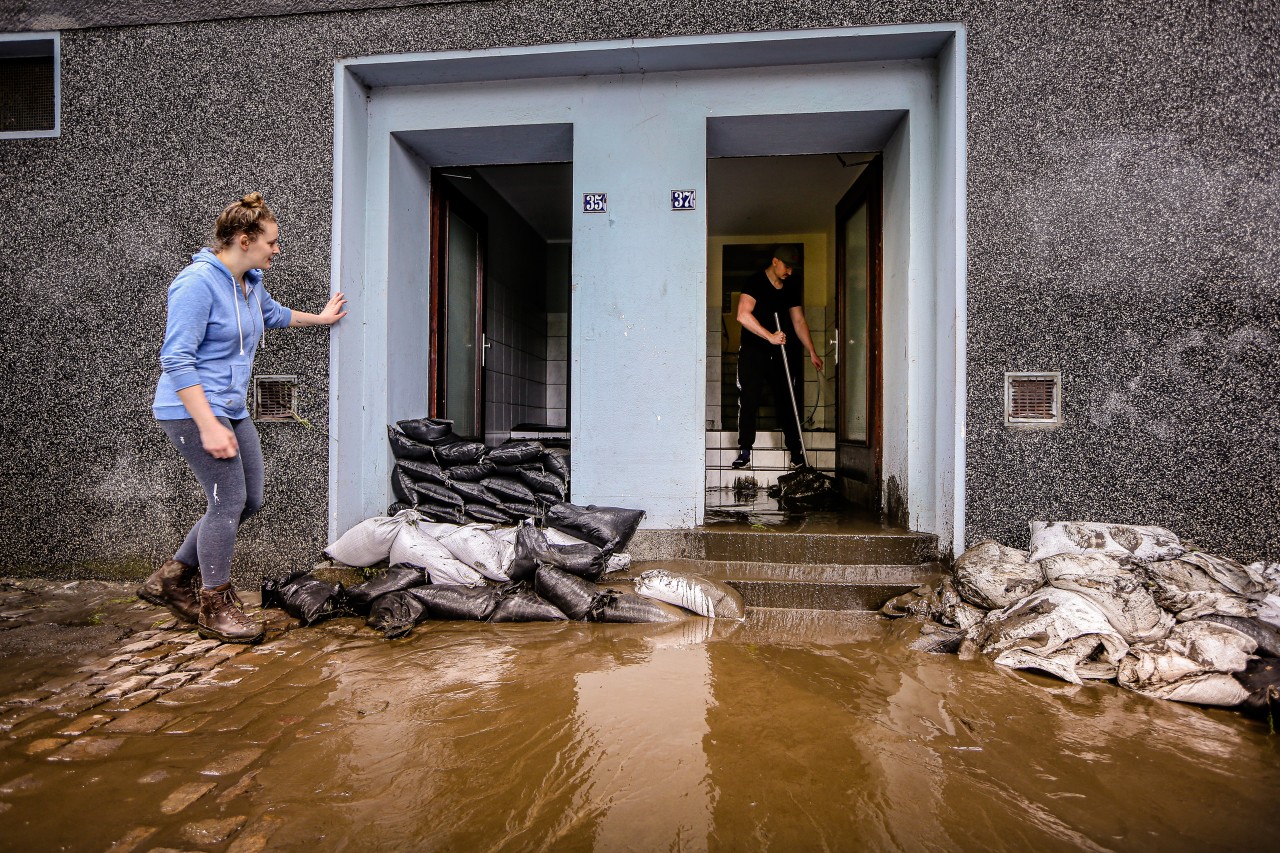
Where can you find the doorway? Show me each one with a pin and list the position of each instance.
(458, 341)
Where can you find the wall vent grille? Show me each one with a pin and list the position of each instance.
(275, 398)
(28, 85)
(1033, 398)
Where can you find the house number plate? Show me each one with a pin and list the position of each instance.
(683, 199)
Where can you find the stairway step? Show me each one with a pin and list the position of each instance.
(727, 570)
(742, 543)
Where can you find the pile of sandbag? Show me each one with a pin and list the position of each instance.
(451, 478)
(439, 570)
(1128, 603)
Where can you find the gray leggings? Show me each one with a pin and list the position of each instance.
(233, 488)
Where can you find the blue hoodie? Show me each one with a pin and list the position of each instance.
(211, 335)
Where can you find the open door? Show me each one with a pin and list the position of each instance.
(858, 420)
(457, 309)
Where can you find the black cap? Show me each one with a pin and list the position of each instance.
(788, 255)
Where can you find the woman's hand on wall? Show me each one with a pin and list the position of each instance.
(330, 314)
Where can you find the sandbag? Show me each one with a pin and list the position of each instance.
(517, 511)
(402, 486)
(556, 460)
(421, 471)
(474, 546)
(991, 576)
(953, 611)
(922, 635)
(524, 605)
(449, 514)
(1125, 542)
(1054, 631)
(471, 472)
(1265, 635)
(516, 452)
(441, 496)
(608, 527)
(509, 488)
(572, 595)
(403, 447)
(1269, 610)
(692, 592)
(303, 597)
(459, 453)
(398, 507)
(395, 614)
(458, 602)
(1118, 592)
(369, 541)
(617, 562)
(426, 429)
(417, 548)
(361, 596)
(485, 514)
(1193, 664)
(532, 549)
(1261, 682)
(1190, 586)
(921, 602)
(540, 481)
(614, 606)
(475, 493)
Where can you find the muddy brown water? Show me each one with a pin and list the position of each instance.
(791, 731)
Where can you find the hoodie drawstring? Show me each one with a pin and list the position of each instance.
(262, 340)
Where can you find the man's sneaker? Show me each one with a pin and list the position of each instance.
(743, 460)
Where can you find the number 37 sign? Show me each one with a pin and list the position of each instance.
(683, 199)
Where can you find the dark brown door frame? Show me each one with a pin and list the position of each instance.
(445, 200)
(859, 464)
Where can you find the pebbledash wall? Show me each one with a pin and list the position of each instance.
(1123, 227)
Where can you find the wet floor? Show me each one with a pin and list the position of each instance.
(791, 731)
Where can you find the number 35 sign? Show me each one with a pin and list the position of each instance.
(595, 202)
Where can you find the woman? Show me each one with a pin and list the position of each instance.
(218, 311)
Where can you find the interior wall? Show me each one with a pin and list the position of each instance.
(559, 273)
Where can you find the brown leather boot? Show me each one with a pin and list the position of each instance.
(173, 585)
(222, 619)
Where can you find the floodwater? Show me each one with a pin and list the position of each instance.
(792, 731)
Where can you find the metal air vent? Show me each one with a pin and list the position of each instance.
(275, 398)
(28, 85)
(1033, 398)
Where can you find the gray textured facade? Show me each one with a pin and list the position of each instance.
(1123, 228)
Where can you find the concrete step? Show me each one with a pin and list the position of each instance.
(837, 545)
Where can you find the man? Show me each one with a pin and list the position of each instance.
(760, 357)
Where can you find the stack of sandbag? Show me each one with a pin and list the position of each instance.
(452, 478)
(1129, 603)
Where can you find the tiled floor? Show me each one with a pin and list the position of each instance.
(769, 458)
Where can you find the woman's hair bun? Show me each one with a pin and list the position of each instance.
(253, 201)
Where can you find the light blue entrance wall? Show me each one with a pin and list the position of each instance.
(637, 344)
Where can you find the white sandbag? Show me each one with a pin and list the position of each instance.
(1118, 592)
(1269, 610)
(506, 539)
(1193, 664)
(370, 541)
(991, 576)
(954, 611)
(1193, 585)
(1053, 630)
(692, 592)
(619, 562)
(1125, 542)
(1269, 573)
(472, 544)
(415, 547)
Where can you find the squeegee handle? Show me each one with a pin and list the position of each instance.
(791, 388)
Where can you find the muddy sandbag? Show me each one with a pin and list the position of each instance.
(458, 602)
(459, 453)
(1193, 664)
(615, 606)
(1055, 631)
(369, 541)
(1125, 542)
(954, 611)
(1265, 635)
(420, 471)
(990, 575)
(692, 592)
(516, 452)
(556, 460)
(572, 595)
(509, 488)
(361, 596)
(524, 605)
(1261, 681)
(540, 481)
(608, 527)
(417, 548)
(395, 614)
(403, 447)
(923, 635)
(304, 597)
(1118, 592)
(921, 601)
(426, 430)
(1193, 585)
(471, 472)
(475, 493)
(472, 544)
(1269, 610)
(532, 549)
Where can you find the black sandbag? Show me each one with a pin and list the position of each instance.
(449, 601)
(509, 488)
(571, 594)
(529, 543)
(556, 460)
(395, 614)
(403, 447)
(426, 430)
(361, 597)
(614, 606)
(609, 527)
(303, 597)
(516, 452)
(532, 549)
(471, 471)
(397, 507)
(403, 487)
(430, 493)
(475, 493)
(525, 605)
(542, 481)
(435, 512)
(486, 514)
(459, 453)
(421, 471)
(1261, 677)
(520, 511)
(1266, 636)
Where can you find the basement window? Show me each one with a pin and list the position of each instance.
(30, 101)
(1033, 399)
(275, 398)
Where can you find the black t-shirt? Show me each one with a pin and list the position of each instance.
(771, 300)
